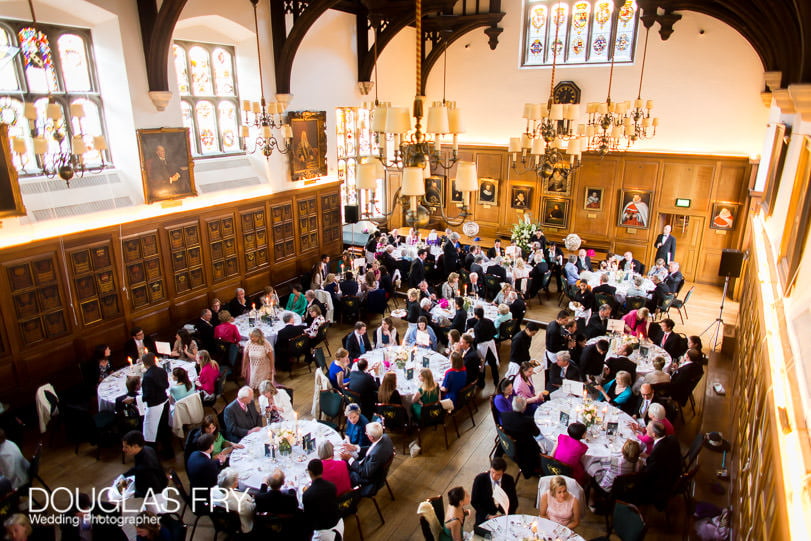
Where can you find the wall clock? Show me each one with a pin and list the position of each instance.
(567, 92)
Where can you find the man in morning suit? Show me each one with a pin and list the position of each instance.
(481, 497)
(240, 416)
(598, 323)
(583, 262)
(358, 343)
(147, 469)
(658, 295)
(663, 466)
(369, 471)
(592, 358)
(416, 272)
(202, 469)
(523, 430)
(272, 499)
(477, 266)
(669, 340)
(286, 333)
(205, 330)
(686, 376)
(675, 279)
(366, 386)
(631, 264)
(138, 344)
(497, 270)
(521, 342)
(320, 501)
(604, 287)
(475, 287)
(665, 246)
(496, 250)
(349, 286)
(239, 304)
(564, 369)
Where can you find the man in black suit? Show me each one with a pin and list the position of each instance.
(272, 499)
(474, 252)
(521, 342)
(643, 402)
(484, 331)
(450, 255)
(537, 273)
(675, 279)
(349, 286)
(517, 307)
(523, 430)
(387, 260)
(564, 369)
(138, 344)
(471, 359)
(684, 379)
(540, 238)
(320, 501)
(459, 321)
(358, 343)
(312, 301)
(620, 362)
(583, 261)
(554, 257)
(481, 497)
(202, 469)
(604, 287)
(659, 293)
(239, 304)
(475, 287)
(148, 472)
(592, 358)
(497, 270)
(240, 416)
(154, 385)
(663, 467)
(665, 246)
(285, 334)
(205, 330)
(369, 471)
(667, 339)
(365, 385)
(631, 264)
(416, 272)
(598, 323)
(477, 266)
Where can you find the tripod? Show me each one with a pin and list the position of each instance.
(717, 326)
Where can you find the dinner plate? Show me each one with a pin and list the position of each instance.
(399, 313)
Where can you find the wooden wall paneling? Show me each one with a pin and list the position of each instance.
(184, 247)
(94, 281)
(451, 208)
(283, 234)
(709, 262)
(146, 270)
(253, 238)
(692, 179)
(217, 230)
(688, 230)
(595, 173)
(731, 180)
(60, 370)
(637, 174)
(330, 211)
(491, 164)
(306, 212)
(11, 386)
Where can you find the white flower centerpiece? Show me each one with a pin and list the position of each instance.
(523, 232)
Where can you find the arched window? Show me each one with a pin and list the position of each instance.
(55, 68)
(210, 105)
(355, 144)
(579, 31)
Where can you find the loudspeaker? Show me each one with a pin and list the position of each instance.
(350, 214)
(731, 262)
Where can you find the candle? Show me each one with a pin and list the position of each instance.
(129, 360)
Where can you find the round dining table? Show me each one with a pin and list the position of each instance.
(490, 310)
(253, 464)
(408, 252)
(621, 280)
(526, 527)
(419, 359)
(642, 356)
(602, 445)
(270, 330)
(115, 384)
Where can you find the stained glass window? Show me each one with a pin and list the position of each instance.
(584, 29)
(355, 144)
(210, 104)
(55, 69)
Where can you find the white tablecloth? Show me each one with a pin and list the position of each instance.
(601, 446)
(409, 252)
(643, 362)
(254, 467)
(487, 264)
(269, 330)
(617, 279)
(437, 362)
(490, 311)
(519, 527)
(115, 384)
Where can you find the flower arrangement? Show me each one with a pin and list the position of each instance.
(401, 359)
(286, 438)
(590, 414)
(522, 233)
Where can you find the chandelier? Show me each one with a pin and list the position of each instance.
(640, 117)
(549, 144)
(415, 152)
(265, 117)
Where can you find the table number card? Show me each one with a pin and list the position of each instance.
(611, 428)
(268, 448)
(425, 361)
(564, 418)
(410, 373)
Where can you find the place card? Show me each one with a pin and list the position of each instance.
(410, 373)
(425, 361)
(268, 448)
(564, 418)
(611, 428)
(643, 351)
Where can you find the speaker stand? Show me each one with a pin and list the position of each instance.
(717, 326)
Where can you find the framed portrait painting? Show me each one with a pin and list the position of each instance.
(521, 197)
(308, 153)
(634, 209)
(488, 191)
(433, 192)
(11, 201)
(555, 212)
(724, 215)
(559, 183)
(594, 199)
(167, 168)
(456, 195)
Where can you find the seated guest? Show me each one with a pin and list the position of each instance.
(335, 471)
(686, 376)
(369, 471)
(227, 332)
(320, 503)
(127, 404)
(565, 369)
(355, 429)
(658, 375)
(496, 250)
(216, 308)
(523, 430)
(584, 296)
(583, 261)
(267, 297)
(636, 289)
(453, 529)
(240, 416)
(669, 340)
(147, 469)
(497, 270)
(483, 486)
(319, 272)
(349, 286)
(427, 393)
(524, 387)
(296, 301)
(209, 372)
(455, 378)
(413, 310)
(357, 343)
(620, 362)
(274, 404)
(674, 279)
(472, 360)
(368, 284)
(659, 269)
(202, 468)
(386, 259)
(331, 286)
(459, 321)
(13, 465)
(657, 413)
(477, 266)
(388, 393)
(239, 304)
(339, 369)
(559, 505)
(222, 447)
(228, 496)
(521, 272)
(184, 348)
(426, 292)
(503, 294)
(518, 307)
(521, 342)
(598, 323)
(273, 500)
(312, 301)
(504, 315)
(450, 289)
(659, 294)
(628, 263)
(138, 344)
(636, 322)
(661, 468)
(101, 362)
(628, 463)
(183, 387)
(283, 337)
(618, 392)
(422, 335)
(503, 402)
(386, 334)
(474, 288)
(570, 270)
(316, 320)
(570, 449)
(592, 358)
(365, 386)
(604, 287)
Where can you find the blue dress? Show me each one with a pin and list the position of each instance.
(334, 370)
(357, 432)
(453, 382)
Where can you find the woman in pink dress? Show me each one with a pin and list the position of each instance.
(570, 450)
(525, 388)
(335, 471)
(656, 412)
(257, 360)
(209, 372)
(636, 322)
(559, 505)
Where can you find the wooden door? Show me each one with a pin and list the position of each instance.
(687, 230)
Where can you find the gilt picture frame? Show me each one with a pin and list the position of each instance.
(635, 209)
(308, 148)
(167, 168)
(11, 200)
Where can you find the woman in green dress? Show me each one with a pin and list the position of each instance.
(296, 302)
(455, 515)
(428, 393)
(221, 445)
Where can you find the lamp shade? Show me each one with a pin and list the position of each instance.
(455, 124)
(368, 174)
(538, 146)
(398, 120)
(438, 119)
(379, 118)
(413, 181)
(467, 178)
(515, 144)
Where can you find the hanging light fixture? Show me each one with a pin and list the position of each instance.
(263, 116)
(644, 127)
(550, 143)
(69, 156)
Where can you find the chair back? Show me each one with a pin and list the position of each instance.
(350, 306)
(507, 329)
(628, 522)
(494, 411)
(270, 526)
(225, 521)
(351, 396)
(432, 415)
(348, 502)
(688, 294)
(492, 285)
(552, 466)
(666, 302)
(466, 395)
(321, 335)
(604, 298)
(427, 534)
(332, 403)
(176, 528)
(635, 303)
(180, 488)
(33, 464)
(320, 360)
(547, 277)
(508, 444)
(394, 416)
(464, 277)
(376, 301)
(661, 389)
(298, 345)
(693, 451)
(628, 487)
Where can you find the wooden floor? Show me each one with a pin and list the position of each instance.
(438, 469)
